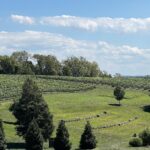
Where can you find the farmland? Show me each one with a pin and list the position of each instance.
(82, 99)
(11, 85)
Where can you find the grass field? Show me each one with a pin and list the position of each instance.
(84, 104)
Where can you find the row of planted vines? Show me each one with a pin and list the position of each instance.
(126, 82)
(11, 85)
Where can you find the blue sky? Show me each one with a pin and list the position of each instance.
(114, 33)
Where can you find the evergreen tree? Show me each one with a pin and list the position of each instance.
(32, 105)
(2, 137)
(119, 93)
(34, 138)
(61, 141)
(88, 140)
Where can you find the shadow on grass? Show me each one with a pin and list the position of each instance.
(106, 96)
(146, 108)
(10, 122)
(13, 145)
(115, 105)
(109, 96)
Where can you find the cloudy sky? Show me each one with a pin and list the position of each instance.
(114, 33)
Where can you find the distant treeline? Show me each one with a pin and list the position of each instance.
(23, 63)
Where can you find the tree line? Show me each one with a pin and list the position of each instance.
(24, 63)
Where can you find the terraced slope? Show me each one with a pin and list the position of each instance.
(90, 105)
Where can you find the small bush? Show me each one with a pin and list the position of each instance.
(134, 135)
(145, 136)
(136, 142)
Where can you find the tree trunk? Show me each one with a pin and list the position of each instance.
(119, 103)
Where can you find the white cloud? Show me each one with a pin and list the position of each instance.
(45, 40)
(70, 21)
(126, 25)
(23, 19)
(110, 57)
(101, 23)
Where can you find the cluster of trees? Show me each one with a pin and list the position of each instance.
(17, 63)
(23, 63)
(35, 123)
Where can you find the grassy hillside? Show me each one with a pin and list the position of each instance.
(85, 104)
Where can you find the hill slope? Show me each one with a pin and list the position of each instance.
(90, 105)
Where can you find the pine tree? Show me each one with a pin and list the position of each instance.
(32, 105)
(2, 137)
(88, 140)
(61, 141)
(34, 138)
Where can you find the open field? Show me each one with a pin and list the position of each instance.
(67, 105)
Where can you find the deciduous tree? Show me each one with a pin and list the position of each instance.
(119, 94)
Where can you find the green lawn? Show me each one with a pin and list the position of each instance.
(83, 104)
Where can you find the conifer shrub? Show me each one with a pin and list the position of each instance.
(61, 141)
(88, 139)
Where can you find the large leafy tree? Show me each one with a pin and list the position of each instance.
(47, 65)
(75, 66)
(20, 56)
(119, 94)
(32, 105)
(2, 137)
(88, 140)
(23, 65)
(61, 141)
(7, 65)
(34, 138)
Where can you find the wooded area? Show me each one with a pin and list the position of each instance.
(24, 63)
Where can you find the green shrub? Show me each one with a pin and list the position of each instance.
(136, 142)
(145, 136)
(61, 142)
(88, 139)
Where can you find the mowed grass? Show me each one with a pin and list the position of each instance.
(84, 104)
